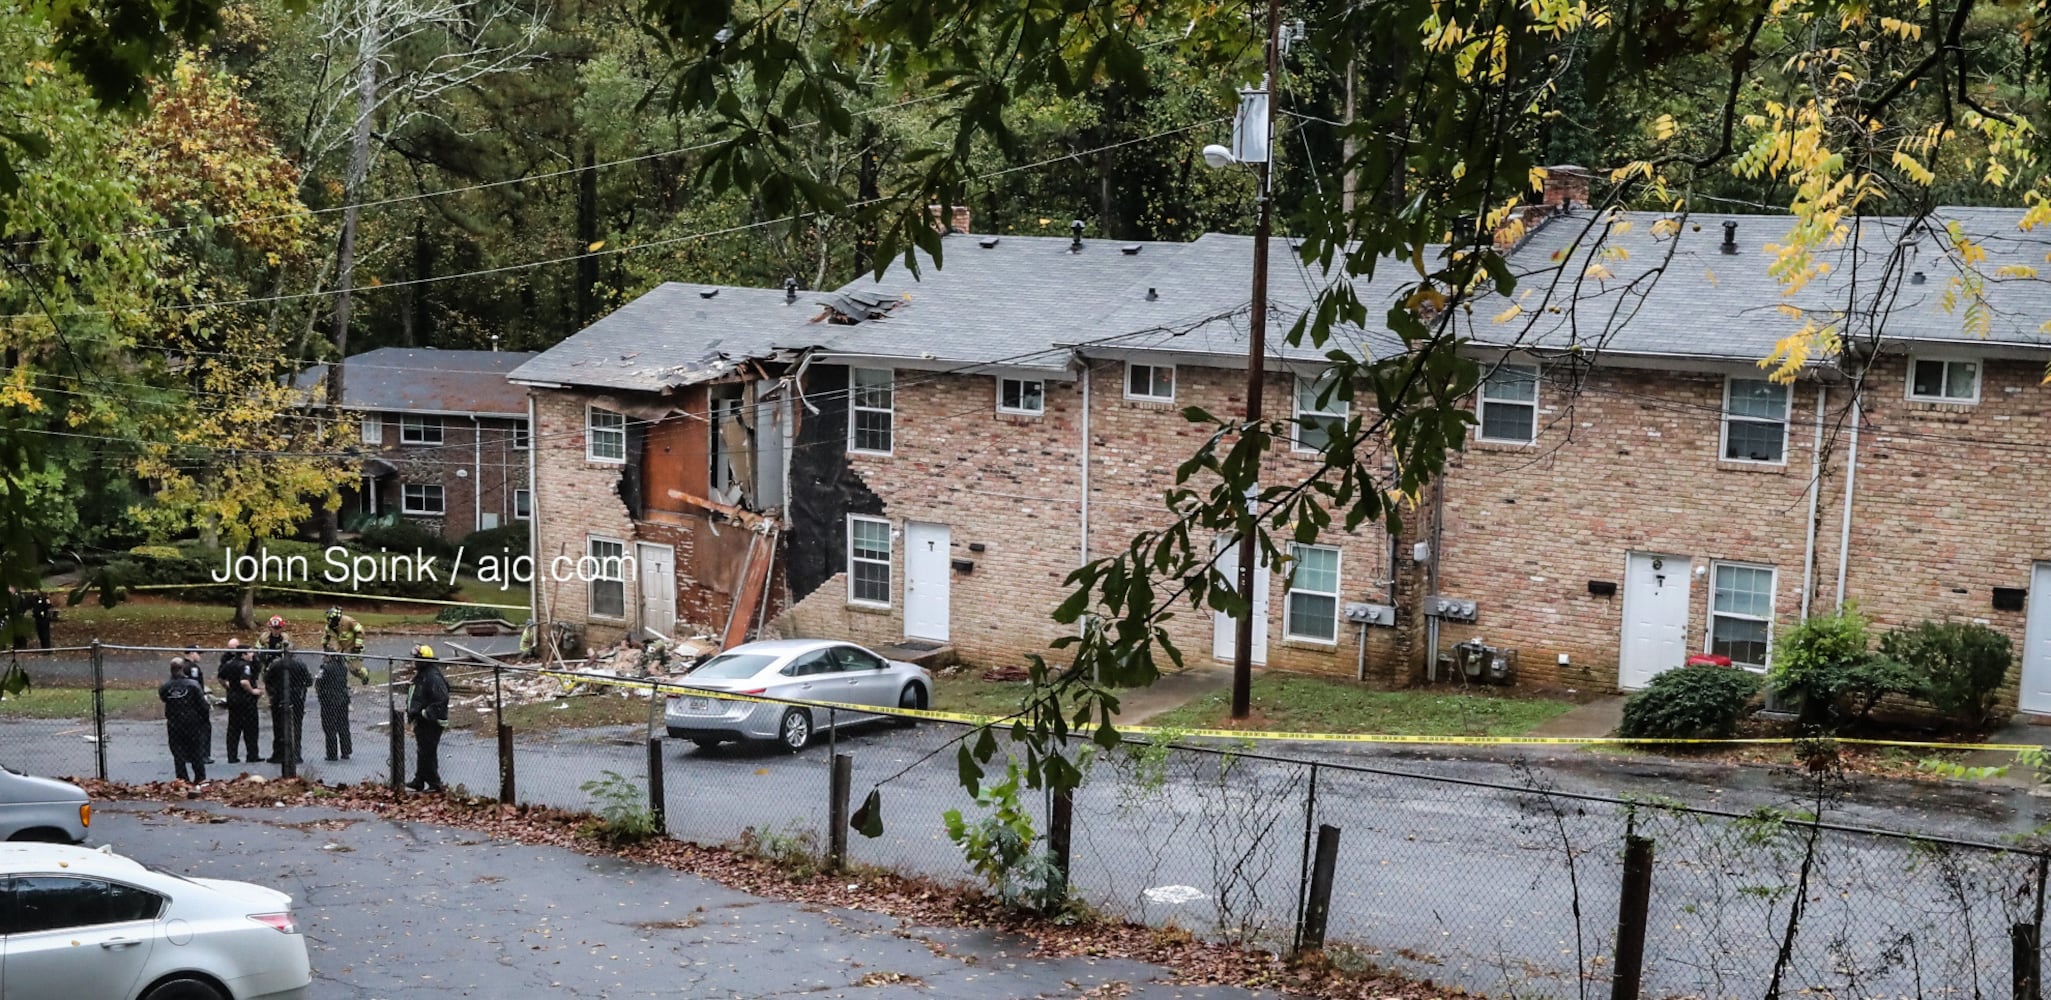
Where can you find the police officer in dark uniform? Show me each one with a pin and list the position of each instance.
(241, 684)
(185, 709)
(428, 708)
(286, 678)
(331, 685)
(199, 676)
(45, 613)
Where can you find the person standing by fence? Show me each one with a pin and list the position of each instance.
(206, 722)
(428, 708)
(331, 686)
(185, 711)
(44, 612)
(286, 678)
(241, 684)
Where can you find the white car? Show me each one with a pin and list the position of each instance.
(795, 670)
(44, 809)
(92, 924)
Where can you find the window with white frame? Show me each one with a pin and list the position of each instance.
(1508, 404)
(522, 437)
(1026, 396)
(1150, 383)
(871, 399)
(1741, 613)
(373, 428)
(1944, 380)
(1313, 593)
(1318, 422)
(1755, 421)
(605, 435)
(607, 570)
(523, 505)
(419, 430)
(422, 498)
(868, 561)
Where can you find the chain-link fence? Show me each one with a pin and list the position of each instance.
(1509, 888)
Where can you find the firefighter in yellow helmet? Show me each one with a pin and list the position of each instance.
(428, 709)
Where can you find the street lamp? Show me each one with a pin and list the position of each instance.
(1251, 135)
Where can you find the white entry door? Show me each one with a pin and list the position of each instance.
(2035, 696)
(1224, 635)
(658, 580)
(927, 564)
(1655, 618)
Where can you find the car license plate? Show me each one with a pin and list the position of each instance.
(698, 704)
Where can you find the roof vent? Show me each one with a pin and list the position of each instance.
(1152, 295)
(1730, 238)
(987, 242)
(1075, 236)
(1917, 278)
(708, 293)
(1463, 229)
(790, 290)
(1130, 249)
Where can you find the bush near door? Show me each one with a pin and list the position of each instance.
(1961, 665)
(1817, 661)
(1690, 703)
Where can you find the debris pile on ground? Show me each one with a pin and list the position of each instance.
(474, 687)
(1007, 673)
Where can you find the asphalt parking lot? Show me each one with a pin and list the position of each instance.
(395, 910)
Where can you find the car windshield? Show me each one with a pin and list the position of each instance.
(734, 666)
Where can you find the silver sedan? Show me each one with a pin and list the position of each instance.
(797, 670)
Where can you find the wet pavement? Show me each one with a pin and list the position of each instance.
(402, 910)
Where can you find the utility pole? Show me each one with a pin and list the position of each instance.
(1256, 375)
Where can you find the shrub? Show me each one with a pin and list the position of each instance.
(1962, 665)
(1690, 703)
(1862, 687)
(624, 817)
(406, 537)
(1816, 661)
(1003, 848)
(506, 542)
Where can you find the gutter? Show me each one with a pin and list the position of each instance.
(477, 472)
(533, 522)
(1851, 478)
(1086, 379)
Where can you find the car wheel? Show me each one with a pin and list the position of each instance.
(706, 742)
(795, 730)
(42, 835)
(913, 697)
(183, 989)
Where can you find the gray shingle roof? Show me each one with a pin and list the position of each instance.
(675, 336)
(1202, 303)
(1675, 293)
(427, 379)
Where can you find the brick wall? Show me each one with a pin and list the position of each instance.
(574, 500)
(476, 464)
(1632, 463)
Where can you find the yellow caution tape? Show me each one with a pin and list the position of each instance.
(1284, 737)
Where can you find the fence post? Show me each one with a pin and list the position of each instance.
(398, 752)
(99, 711)
(1319, 908)
(2025, 960)
(658, 801)
(1633, 905)
(1061, 832)
(842, 779)
(1303, 869)
(508, 788)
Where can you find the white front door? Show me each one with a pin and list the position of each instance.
(1224, 637)
(2035, 696)
(927, 563)
(1655, 618)
(658, 586)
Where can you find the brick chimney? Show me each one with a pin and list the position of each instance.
(958, 224)
(1565, 185)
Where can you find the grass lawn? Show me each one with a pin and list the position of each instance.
(475, 592)
(971, 695)
(584, 711)
(1302, 704)
(75, 703)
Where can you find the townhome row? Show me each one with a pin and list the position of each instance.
(927, 458)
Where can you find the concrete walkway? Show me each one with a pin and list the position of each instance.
(1171, 692)
(1598, 718)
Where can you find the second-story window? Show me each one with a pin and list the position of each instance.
(1027, 396)
(1508, 404)
(871, 406)
(1317, 423)
(605, 435)
(1755, 421)
(522, 437)
(1944, 380)
(1150, 383)
(373, 428)
(420, 430)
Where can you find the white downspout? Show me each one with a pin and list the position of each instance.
(533, 525)
(1815, 501)
(476, 473)
(1085, 462)
(1851, 478)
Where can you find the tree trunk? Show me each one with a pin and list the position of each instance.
(867, 189)
(1347, 181)
(345, 256)
(587, 234)
(245, 603)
